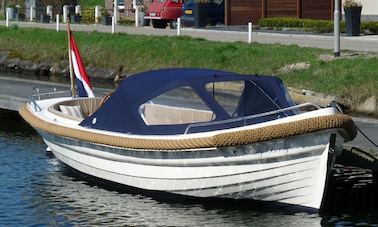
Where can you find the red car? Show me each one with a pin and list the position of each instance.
(162, 12)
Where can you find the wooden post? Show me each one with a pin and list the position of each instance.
(299, 8)
(70, 58)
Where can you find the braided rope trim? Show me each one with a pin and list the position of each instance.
(221, 140)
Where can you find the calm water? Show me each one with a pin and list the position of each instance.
(36, 189)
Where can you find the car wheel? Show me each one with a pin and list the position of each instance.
(173, 24)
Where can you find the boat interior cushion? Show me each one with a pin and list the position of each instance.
(155, 114)
(74, 111)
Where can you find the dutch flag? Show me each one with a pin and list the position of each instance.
(84, 86)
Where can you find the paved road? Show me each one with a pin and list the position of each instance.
(360, 43)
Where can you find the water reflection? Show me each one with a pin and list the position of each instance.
(71, 199)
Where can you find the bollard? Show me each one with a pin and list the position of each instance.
(32, 8)
(179, 26)
(57, 22)
(113, 25)
(137, 16)
(97, 13)
(7, 18)
(49, 11)
(115, 11)
(77, 10)
(65, 13)
(249, 32)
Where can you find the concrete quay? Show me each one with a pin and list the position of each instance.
(368, 43)
(15, 91)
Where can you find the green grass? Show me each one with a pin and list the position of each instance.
(355, 79)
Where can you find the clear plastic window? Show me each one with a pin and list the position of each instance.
(227, 94)
(178, 106)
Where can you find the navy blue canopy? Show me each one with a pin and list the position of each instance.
(120, 113)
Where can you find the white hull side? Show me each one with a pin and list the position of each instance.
(291, 171)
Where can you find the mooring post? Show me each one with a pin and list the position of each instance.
(57, 22)
(336, 29)
(113, 25)
(249, 32)
(7, 18)
(179, 26)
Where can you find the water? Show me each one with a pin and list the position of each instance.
(37, 190)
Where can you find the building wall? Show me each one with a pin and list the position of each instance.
(242, 11)
(281, 8)
(369, 9)
(320, 9)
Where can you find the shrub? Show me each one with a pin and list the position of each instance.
(126, 21)
(89, 15)
(372, 26)
(322, 26)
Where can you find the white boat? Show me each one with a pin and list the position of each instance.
(198, 132)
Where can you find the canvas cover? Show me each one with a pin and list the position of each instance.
(120, 113)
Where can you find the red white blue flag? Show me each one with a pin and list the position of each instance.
(84, 86)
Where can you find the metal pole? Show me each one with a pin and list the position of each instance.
(7, 18)
(113, 25)
(336, 29)
(249, 32)
(179, 26)
(57, 22)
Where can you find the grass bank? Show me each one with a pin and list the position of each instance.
(355, 78)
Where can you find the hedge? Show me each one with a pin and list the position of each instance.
(322, 26)
(371, 26)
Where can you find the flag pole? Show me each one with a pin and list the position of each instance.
(70, 58)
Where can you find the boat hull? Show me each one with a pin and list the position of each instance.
(291, 171)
